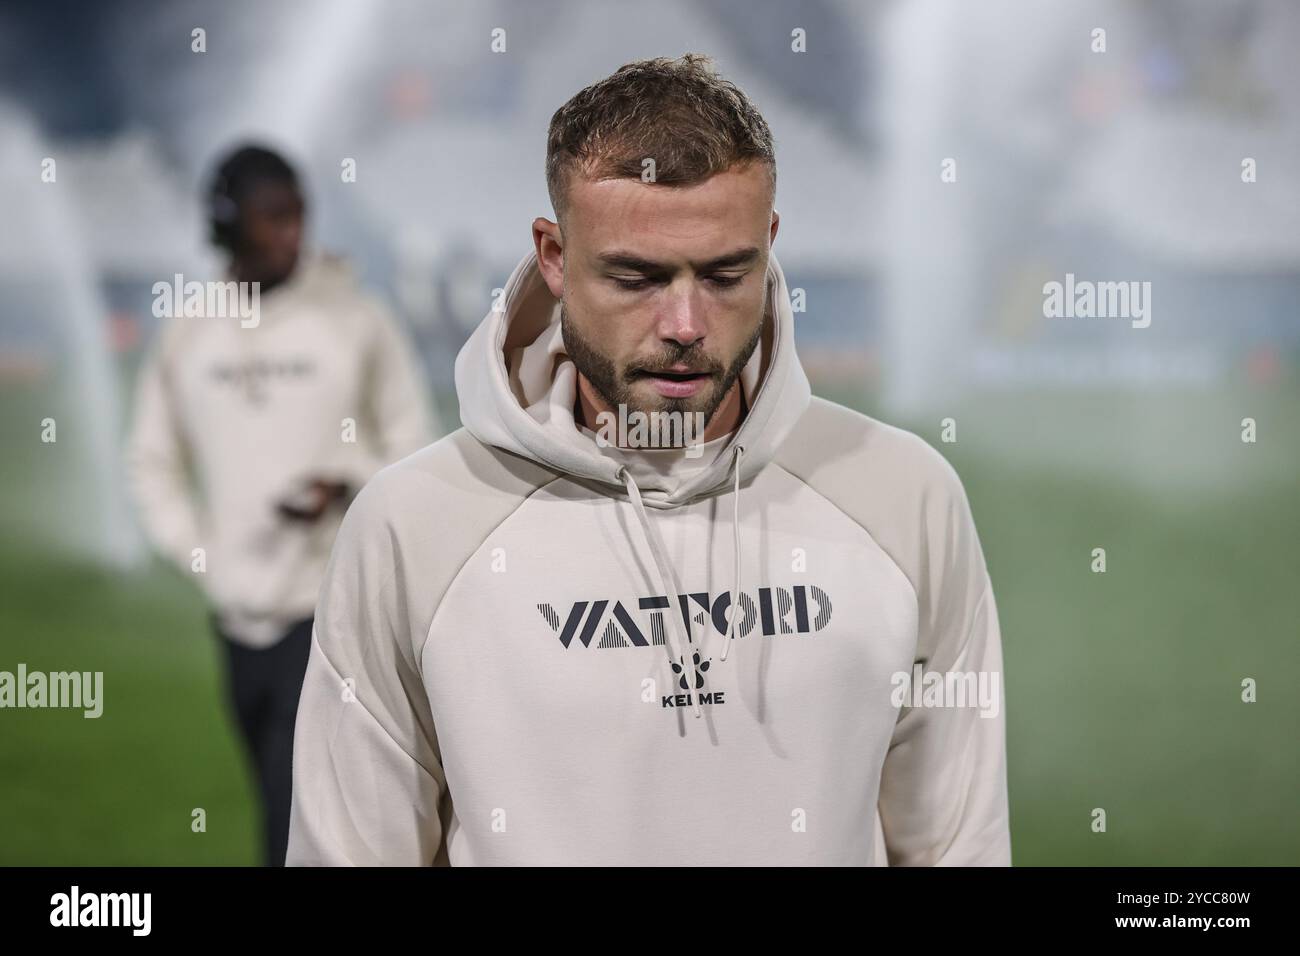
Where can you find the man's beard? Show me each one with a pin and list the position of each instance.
(614, 385)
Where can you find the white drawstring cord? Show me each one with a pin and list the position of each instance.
(680, 649)
(733, 611)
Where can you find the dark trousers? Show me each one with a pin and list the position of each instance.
(262, 686)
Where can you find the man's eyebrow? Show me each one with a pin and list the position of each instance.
(635, 263)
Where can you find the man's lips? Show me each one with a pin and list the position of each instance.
(675, 382)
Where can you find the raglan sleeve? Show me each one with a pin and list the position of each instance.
(400, 397)
(943, 793)
(399, 413)
(157, 463)
(367, 774)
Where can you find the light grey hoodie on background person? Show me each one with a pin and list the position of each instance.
(503, 669)
(232, 420)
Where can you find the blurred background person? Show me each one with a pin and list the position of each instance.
(251, 433)
(416, 122)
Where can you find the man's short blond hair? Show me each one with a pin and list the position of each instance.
(680, 113)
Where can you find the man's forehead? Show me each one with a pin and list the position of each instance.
(746, 184)
(273, 193)
(728, 213)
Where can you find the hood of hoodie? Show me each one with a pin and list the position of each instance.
(517, 389)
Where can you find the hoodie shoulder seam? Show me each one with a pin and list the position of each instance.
(852, 520)
(451, 583)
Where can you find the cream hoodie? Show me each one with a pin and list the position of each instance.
(523, 652)
(230, 420)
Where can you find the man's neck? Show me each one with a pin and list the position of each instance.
(726, 418)
(241, 272)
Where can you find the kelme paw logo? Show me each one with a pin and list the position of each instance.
(680, 668)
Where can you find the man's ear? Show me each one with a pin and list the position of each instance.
(549, 241)
(776, 222)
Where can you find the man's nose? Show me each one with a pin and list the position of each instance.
(682, 320)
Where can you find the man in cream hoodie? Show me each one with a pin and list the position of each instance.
(525, 651)
(252, 432)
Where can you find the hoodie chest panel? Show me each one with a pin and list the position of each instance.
(278, 390)
(553, 692)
